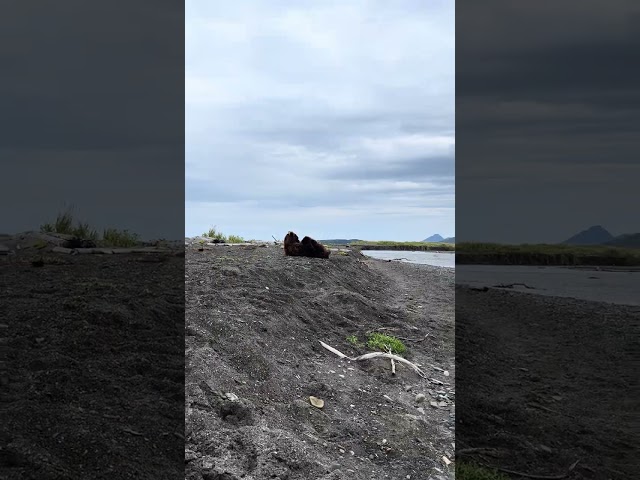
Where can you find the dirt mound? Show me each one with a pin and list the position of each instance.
(96, 366)
(254, 320)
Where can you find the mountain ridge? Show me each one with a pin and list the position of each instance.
(598, 235)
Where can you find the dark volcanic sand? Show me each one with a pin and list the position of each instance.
(95, 367)
(546, 381)
(253, 321)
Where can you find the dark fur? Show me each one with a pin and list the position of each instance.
(308, 247)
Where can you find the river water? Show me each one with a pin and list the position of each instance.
(437, 259)
(610, 285)
(620, 286)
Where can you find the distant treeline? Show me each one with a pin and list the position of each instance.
(545, 254)
(414, 246)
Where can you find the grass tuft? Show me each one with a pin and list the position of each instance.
(66, 224)
(380, 341)
(216, 234)
(119, 238)
(353, 340)
(235, 239)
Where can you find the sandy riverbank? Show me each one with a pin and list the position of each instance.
(94, 357)
(546, 381)
(254, 319)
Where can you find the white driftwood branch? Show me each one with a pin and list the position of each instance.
(369, 356)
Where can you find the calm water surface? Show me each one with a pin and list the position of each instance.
(437, 259)
(604, 285)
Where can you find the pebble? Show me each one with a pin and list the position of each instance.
(420, 398)
(408, 388)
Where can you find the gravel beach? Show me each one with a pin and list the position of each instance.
(93, 384)
(544, 382)
(254, 320)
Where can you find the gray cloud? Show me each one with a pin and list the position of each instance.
(328, 112)
(546, 101)
(92, 107)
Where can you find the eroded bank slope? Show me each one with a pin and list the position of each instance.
(254, 319)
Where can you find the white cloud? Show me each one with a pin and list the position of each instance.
(289, 106)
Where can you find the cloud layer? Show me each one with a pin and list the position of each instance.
(330, 118)
(546, 100)
(92, 104)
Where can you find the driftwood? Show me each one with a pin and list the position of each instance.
(369, 356)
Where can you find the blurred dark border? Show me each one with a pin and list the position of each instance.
(92, 100)
(547, 238)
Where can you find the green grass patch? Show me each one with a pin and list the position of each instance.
(119, 238)
(353, 340)
(380, 341)
(390, 245)
(235, 239)
(66, 224)
(471, 471)
(216, 234)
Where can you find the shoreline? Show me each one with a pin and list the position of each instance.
(546, 368)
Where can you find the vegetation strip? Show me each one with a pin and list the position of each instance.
(545, 254)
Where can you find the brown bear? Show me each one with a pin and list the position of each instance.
(307, 248)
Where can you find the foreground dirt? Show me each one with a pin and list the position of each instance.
(94, 378)
(254, 319)
(544, 382)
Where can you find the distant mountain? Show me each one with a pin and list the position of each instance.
(629, 240)
(595, 235)
(449, 240)
(434, 238)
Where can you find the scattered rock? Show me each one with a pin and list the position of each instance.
(420, 398)
(316, 402)
(231, 396)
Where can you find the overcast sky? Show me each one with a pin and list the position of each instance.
(547, 112)
(332, 119)
(92, 115)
